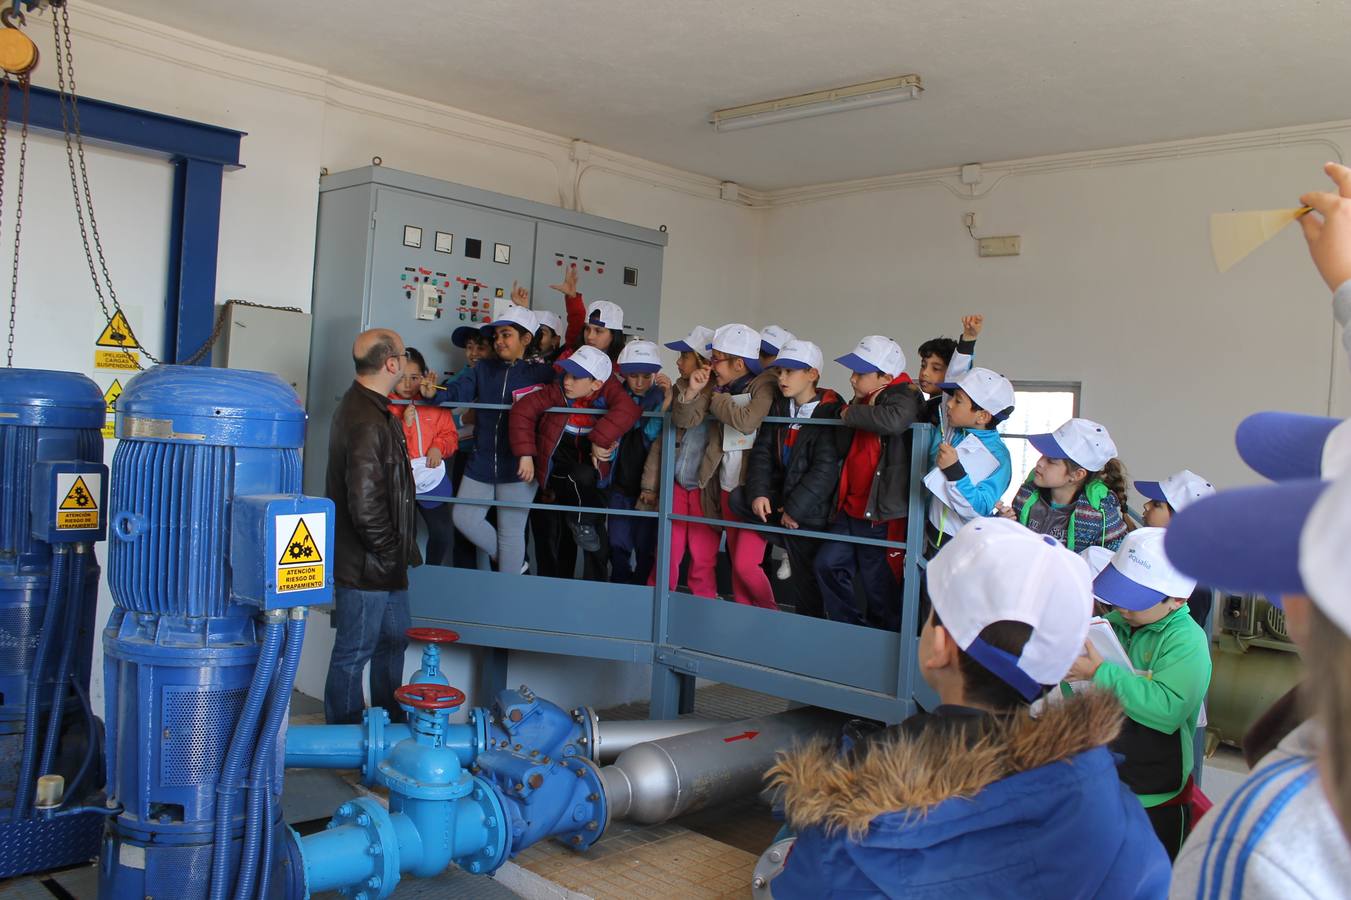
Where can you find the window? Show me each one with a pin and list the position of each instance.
(1039, 407)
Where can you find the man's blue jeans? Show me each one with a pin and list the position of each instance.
(371, 626)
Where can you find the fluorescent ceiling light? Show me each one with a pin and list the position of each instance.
(818, 103)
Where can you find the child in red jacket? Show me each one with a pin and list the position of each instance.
(564, 453)
(432, 440)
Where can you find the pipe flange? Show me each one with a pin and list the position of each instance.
(367, 814)
(768, 867)
(376, 720)
(497, 822)
(590, 723)
(596, 824)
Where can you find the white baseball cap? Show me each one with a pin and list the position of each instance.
(511, 314)
(987, 388)
(605, 314)
(738, 340)
(1179, 490)
(996, 570)
(773, 338)
(1141, 575)
(795, 354)
(639, 357)
(1097, 558)
(587, 362)
(875, 353)
(552, 319)
(1081, 441)
(695, 342)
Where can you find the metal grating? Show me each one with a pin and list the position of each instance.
(20, 627)
(197, 728)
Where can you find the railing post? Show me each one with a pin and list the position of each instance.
(921, 441)
(668, 687)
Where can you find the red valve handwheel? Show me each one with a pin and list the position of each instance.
(432, 635)
(429, 696)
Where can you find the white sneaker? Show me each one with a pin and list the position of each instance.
(785, 571)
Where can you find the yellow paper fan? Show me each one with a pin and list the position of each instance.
(1234, 235)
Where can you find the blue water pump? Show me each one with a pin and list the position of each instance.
(52, 508)
(214, 556)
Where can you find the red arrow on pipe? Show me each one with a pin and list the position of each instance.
(744, 736)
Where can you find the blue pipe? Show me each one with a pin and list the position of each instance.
(92, 745)
(74, 611)
(265, 761)
(55, 593)
(347, 746)
(240, 746)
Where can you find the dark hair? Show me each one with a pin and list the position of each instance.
(416, 358)
(478, 337)
(1113, 475)
(1329, 697)
(526, 337)
(382, 349)
(976, 407)
(979, 684)
(939, 346)
(617, 341)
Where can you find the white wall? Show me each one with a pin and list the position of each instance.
(1114, 288)
(299, 120)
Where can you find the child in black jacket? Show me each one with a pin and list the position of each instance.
(793, 470)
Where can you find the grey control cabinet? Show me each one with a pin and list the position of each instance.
(424, 256)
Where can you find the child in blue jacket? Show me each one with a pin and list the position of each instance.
(977, 798)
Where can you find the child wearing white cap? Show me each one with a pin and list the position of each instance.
(734, 410)
(566, 452)
(1165, 499)
(549, 337)
(633, 541)
(1077, 491)
(599, 324)
(942, 359)
(793, 469)
(874, 488)
(772, 340)
(971, 467)
(977, 798)
(1162, 697)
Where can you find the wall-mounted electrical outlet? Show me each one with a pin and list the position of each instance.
(969, 220)
(1001, 245)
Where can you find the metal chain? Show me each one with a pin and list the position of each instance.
(4, 138)
(220, 324)
(24, 83)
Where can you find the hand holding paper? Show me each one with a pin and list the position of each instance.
(1329, 232)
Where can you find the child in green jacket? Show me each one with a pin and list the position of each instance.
(1162, 697)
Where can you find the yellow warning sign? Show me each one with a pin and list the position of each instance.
(300, 565)
(79, 507)
(110, 403)
(117, 333)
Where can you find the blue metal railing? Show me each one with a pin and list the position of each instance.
(864, 671)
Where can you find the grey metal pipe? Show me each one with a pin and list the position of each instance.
(617, 736)
(660, 780)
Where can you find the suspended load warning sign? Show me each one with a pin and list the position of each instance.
(300, 564)
(118, 337)
(79, 506)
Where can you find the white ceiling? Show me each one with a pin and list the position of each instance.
(1004, 79)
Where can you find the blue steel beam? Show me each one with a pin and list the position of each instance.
(200, 154)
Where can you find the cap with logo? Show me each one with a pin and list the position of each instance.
(796, 354)
(996, 570)
(1282, 445)
(738, 340)
(587, 362)
(695, 342)
(875, 353)
(605, 314)
(511, 314)
(1097, 558)
(1082, 441)
(1179, 490)
(1140, 575)
(639, 357)
(773, 338)
(988, 389)
(551, 319)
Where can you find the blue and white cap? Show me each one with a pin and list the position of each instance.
(795, 354)
(587, 362)
(995, 570)
(1140, 574)
(875, 353)
(987, 388)
(696, 341)
(605, 314)
(772, 339)
(1082, 441)
(551, 319)
(511, 314)
(740, 340)
(1284, 446)
(1179, 490)
(639, 357)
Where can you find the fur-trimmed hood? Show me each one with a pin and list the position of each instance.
(914, 773)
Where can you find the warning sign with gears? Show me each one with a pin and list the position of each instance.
(78, 508)
(300, 562)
